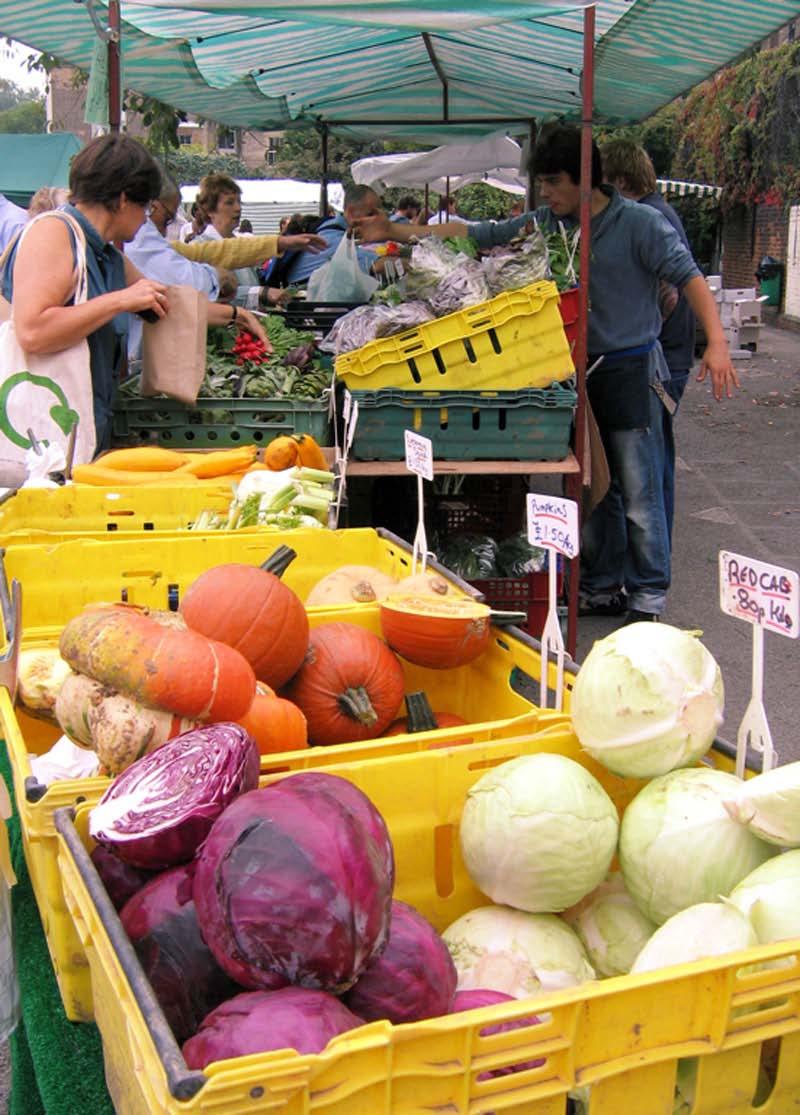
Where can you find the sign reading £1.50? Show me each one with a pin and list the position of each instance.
(553, 524)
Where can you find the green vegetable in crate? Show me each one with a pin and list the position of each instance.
(708, 929)
(472, 556)
(679, 847)
(521, 954)
(555, 824)
(648, 699)
(770, 896)
(769, 805)
(612, 928)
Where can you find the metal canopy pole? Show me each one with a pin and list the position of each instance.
(575, 483)
(114, 74)
(323, 193)
(530, 200)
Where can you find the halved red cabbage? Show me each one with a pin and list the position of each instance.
(120, 879)
(413, 978)
(161, 922)
(158, 811)
(296, 878)
(483, 997)
(259, 1021)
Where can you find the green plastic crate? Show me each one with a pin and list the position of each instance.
(217, 422)
(530, 425)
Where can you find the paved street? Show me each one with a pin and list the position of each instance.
(738, 488)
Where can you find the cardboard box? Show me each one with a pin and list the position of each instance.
(738, 294)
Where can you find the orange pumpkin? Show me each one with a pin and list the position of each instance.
(252, 610)
(434, 631)
(350, 685)
(153, 658)
(275, 723)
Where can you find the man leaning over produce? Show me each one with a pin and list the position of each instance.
(633, 248)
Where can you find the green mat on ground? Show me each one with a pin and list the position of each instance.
(56, 1065)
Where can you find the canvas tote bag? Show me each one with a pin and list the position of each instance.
(174, 348)
(47, 393)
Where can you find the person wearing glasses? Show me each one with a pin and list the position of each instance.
(632, 249)
(156, 258)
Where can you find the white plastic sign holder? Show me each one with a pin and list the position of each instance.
(553, 526)
(350, 421)
(419, 460)
(768, 598)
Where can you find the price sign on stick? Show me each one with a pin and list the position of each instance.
(553, 525)
(350, 417)
(768, 597)
(419, 460)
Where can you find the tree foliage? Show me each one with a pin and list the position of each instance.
(191, 163)
(28, 117)
(741, 129)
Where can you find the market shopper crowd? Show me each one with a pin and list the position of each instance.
(644, 292)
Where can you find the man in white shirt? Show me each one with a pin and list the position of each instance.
(12, 219)
(447, 212)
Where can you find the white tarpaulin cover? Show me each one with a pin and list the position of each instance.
(427, 167)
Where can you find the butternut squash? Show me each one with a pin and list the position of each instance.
(221, 462)
(143, 458)
(102, 477)
(309, 453)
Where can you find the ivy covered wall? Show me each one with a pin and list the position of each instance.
(741, 129)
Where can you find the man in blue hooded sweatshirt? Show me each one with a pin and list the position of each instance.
(632, 249)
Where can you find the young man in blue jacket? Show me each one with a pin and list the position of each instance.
(633, 249)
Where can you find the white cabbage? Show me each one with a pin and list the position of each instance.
(538, 833)
(647, 700)
(521, 954)
(679, 847)
(708, 929)
(769, 805)
(611, 927)
(770, 896)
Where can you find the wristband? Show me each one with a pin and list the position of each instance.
(235, 313)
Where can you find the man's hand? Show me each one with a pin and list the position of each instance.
(376, 228)
(717, 361)
(302, 242)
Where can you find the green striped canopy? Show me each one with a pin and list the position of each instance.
(424, 69)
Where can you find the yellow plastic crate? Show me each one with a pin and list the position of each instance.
(514, 340)
(621, 1037)
(50, 514)
(60, 578)
(481, 692)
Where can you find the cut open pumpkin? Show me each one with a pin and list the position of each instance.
(434, 631)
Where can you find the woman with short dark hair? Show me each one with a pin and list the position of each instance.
(111, 183)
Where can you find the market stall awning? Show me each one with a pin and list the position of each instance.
(675, 188)
(30, 161)
(430, 168)
(420, 68)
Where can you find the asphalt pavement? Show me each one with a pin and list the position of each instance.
(738, 489)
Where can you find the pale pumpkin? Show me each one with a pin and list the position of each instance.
(351, 584)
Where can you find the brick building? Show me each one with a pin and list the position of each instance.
(66, 99)
(749, 233)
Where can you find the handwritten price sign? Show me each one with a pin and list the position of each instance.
(765, 595)
(419, 454)
(553, 523)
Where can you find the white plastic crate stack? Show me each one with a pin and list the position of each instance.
(740, 313)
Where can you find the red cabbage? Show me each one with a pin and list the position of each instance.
(482, 997)
(413, 978)
(259, 1021)
(158, 811)
(296, 878)
(120, 879)
(161, 922)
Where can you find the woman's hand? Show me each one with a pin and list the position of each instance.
(145, 294)
(250, 323)
(303, 242)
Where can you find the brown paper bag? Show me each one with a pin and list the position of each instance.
(596, 477)
(174, 348)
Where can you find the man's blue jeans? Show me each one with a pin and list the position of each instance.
(626, 536)
(675, 386)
